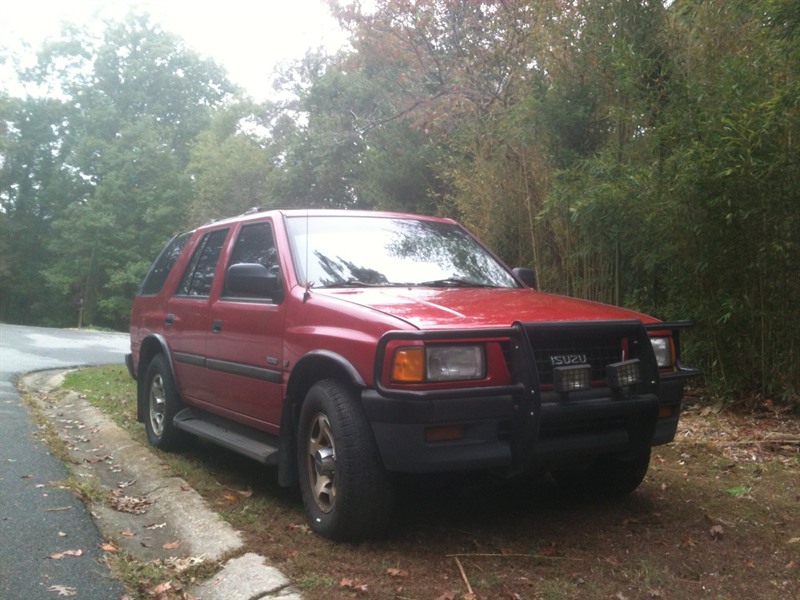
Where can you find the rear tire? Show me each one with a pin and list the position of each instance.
(607, 476)
(162, 403)
(347, 493)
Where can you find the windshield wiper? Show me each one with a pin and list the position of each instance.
(351, 283)
(453, 282)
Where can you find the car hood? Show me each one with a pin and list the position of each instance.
(478, 307)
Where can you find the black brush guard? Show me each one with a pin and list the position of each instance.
(530, 348)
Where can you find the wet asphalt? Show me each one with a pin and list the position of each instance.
(49, 544)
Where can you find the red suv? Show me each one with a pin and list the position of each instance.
(344, 347)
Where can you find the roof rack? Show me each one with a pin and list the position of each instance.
(253, 210)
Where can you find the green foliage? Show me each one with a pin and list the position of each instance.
(36, 188)
(229, 165)
(94, 184)
(630, 152)
(636, 152)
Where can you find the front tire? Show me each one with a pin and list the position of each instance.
(347, 493)
(162, 403)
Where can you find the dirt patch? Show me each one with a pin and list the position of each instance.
(717, 517)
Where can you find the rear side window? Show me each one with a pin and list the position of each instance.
(199, 274)
(155, 278)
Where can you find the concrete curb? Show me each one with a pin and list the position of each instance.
(156, 517)
(241, 577)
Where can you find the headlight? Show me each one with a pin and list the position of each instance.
(439, 362)
(662, 346)
(448, 363)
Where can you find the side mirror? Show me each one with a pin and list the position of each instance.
(252, 280)
(526, 276)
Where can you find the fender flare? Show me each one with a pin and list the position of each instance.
(153, 344)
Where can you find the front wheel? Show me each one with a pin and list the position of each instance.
(346, 491)
(162, 404)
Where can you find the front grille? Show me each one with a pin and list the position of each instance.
(596, 353)
(594, 343)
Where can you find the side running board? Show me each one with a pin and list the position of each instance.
(255, 444)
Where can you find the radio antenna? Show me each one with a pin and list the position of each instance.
(307, 293)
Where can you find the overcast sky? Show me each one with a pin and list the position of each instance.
(248, 37)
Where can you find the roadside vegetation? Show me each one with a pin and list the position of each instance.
(642, 153)
(715, 518)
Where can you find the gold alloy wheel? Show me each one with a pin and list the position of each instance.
(321, 463)
(158, 404)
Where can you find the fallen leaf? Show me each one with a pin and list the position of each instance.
(62, 590)
(392, 572)
(161, 589)
(716, 531)
(182, 564)
(352, 585)
(108, 547)
(60, 555)
(136, 505)
(127, 533)
(171, 545)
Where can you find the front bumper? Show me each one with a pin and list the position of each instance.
(567, 431)
(522, 425)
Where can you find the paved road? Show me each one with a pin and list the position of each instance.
(37, 519)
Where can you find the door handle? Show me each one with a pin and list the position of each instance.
(169, 319)
(216, 326)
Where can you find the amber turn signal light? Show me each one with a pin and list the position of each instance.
(408, 365)
(444, 433)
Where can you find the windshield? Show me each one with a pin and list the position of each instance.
(346, 251)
